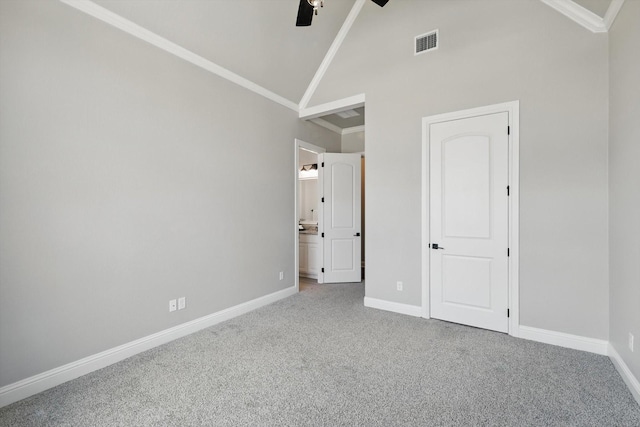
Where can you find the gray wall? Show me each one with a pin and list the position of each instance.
(353, 142)
(129, 177)
(491, 51)
(624, 183)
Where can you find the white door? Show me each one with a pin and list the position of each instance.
(469, 221)
(339, 222)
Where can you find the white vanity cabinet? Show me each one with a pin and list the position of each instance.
(309, 255)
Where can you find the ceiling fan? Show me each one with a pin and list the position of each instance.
(307, 8)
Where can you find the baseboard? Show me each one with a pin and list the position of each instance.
(626, 374)
(576, 342)
(396, 307)
(28, 387)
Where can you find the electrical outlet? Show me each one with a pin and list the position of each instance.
(630, 341)
(399, 286)
(182, 303)
(172, 305)
(281, 275)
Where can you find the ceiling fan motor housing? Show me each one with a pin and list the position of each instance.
(307, 8)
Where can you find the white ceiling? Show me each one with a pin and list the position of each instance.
(255, 39)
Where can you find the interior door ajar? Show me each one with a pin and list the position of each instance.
(469, 221)
(339, 222)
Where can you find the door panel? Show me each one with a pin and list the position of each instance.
(342, 214)
(469, 221)
(466, 281)
(342, 251)
(339, 181)
(466, 186)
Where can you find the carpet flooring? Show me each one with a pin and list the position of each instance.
(320, 358)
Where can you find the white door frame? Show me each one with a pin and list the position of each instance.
(299, 144)
(513, 109)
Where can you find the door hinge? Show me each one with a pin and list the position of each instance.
(322, 235)
(322, 165)
(508, 252)
(323, 200)
(508, 191)
(322, 270)
(508, 130)
(508, 312)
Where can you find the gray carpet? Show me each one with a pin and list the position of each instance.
(320, 358)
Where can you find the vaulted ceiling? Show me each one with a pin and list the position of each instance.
(255, 43)
(256, 39)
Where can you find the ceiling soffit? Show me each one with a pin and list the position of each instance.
(350, 122)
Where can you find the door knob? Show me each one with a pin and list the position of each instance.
(435, 246)
(356, 235)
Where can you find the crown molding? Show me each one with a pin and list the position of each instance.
(325, 124)
(354, 129)
(579, 14)
(335, 46)
(568, 8)
(136, 30)
(337, 129)
(585, 17)
(612, 13)
(351, 102)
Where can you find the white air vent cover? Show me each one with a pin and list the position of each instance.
(347, 114)
(426, 42)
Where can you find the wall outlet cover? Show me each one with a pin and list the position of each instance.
(399, 286)
(172, 305)
(182, 303)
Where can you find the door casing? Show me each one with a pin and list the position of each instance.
(512, 108)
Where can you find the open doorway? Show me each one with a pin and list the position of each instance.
(306, 245)
(329, 203)
(343, 254)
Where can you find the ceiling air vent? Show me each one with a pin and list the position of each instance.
(426, 42)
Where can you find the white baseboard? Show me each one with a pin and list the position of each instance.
(28, 387)
(626, 374)
(576, 342)
(396, 307)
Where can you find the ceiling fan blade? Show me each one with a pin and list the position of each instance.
(305, 14)
(380, 3)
